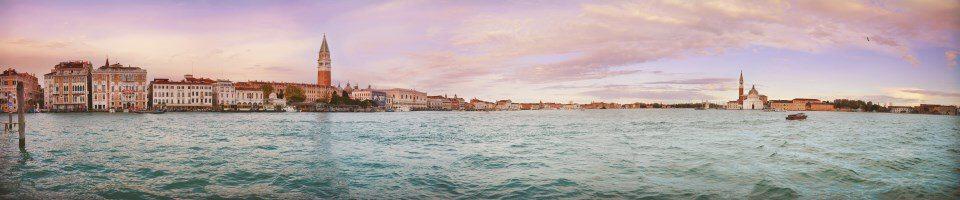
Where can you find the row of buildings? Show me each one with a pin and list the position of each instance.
(753, 100)
(926, 109)
(74, 86)
(79, 86)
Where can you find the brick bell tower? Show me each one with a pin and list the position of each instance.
(323, 64)
(741, 97)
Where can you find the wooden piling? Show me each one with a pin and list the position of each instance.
(20, 119)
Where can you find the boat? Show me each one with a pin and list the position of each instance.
(798, 116)
(158, 111)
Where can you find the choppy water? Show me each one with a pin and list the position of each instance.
(656, 154)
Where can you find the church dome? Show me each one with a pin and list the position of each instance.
(753, 90)
(348, 89)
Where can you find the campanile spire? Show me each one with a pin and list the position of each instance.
(323, 63)
(741, 97)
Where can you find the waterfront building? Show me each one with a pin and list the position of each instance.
(780, 104)
(231, 96)
(478, 104)
(406, 99)
(506, 104)
(801, 104)
(754, 101)
(634, 105)
(31, 89)
(224, 94)
(457, 103)
(446, 103)
(67, 87)
(311, 92)
(118, 87)
(936, 109)
(571, 106)
(901, 109)
(529, 106)
(751, 101)
(190, 94)
(378, 97)
(551, 106)
(734, 105)
(248, 97)
(820, 106)
(436, 102)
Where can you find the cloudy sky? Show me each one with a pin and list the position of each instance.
(581, 51)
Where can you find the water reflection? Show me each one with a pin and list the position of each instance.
(429, 155)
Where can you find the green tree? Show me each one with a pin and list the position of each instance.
(294, 94)
(267, 90)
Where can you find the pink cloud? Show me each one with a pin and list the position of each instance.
(951, 58)
(503, 48)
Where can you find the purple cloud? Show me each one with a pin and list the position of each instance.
(932, 92)
(698, 81)
(668, 95)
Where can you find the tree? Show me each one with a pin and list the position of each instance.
(294, 94)
(267, 90)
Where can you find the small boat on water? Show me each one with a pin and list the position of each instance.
(798, 116)
(158, 111)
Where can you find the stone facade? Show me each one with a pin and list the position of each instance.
(190, 94)
(324, 64)
(8, 89)
(67, 87)
(406, 99)
(116, 87)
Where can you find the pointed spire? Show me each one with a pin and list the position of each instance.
(741, 76)
(323, 47)
(108, 61)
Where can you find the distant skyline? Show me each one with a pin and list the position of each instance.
(557, 51)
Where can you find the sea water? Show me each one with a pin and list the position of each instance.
(647, 153)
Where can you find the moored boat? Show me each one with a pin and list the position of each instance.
(798, 116)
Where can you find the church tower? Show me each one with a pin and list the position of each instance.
(323, 64)
(741, 97)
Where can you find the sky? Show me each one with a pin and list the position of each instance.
(670, 51)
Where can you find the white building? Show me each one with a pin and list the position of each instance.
(901, 109)
(406, 99)
(224, 93)
(189, 94)
(754, 100)
(249, 97)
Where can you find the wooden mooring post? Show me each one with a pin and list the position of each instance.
(20, 119)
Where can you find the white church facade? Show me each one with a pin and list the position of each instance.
(753, 100)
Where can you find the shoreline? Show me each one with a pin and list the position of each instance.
(487, 111)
